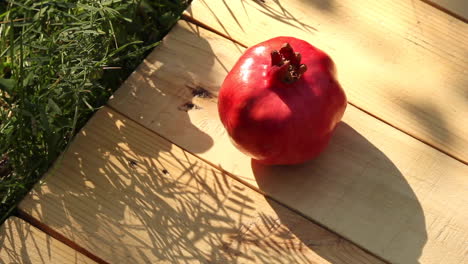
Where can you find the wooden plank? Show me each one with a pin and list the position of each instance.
(137, 198)
(400, 60)
(22, 243)
(375, 185)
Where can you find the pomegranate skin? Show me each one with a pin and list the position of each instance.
(275, 120)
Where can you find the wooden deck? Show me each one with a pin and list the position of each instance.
(149, 180)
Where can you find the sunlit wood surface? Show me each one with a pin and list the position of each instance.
(400, 60)
(153, 177)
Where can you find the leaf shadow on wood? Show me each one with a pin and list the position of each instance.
(120, 191)
(164, 110)
(281, 13)
(125, 196)
(129, 197)
(21, 242)
(379, 211)
(13, 237)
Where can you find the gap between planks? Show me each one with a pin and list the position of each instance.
(446, 9)
(55, 234)
(21, 242)
(197, 22)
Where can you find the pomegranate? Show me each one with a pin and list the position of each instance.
(281, 102)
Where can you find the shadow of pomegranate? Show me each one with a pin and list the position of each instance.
(354, 190)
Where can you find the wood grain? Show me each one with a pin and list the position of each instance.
(384, 190)
(23, 243)
(400, 60)
(130, 196)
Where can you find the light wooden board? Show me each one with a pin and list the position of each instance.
(401, 60)
(375, 185)
(22, 243)
(130, 196)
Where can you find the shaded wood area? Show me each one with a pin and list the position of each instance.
(22, 243)
(456, 8)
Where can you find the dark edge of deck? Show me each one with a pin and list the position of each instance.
(58, 236)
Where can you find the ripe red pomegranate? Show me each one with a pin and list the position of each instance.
(280, 106)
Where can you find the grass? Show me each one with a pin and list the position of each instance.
(59, 62)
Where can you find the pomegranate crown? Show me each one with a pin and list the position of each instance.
(289, 63)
